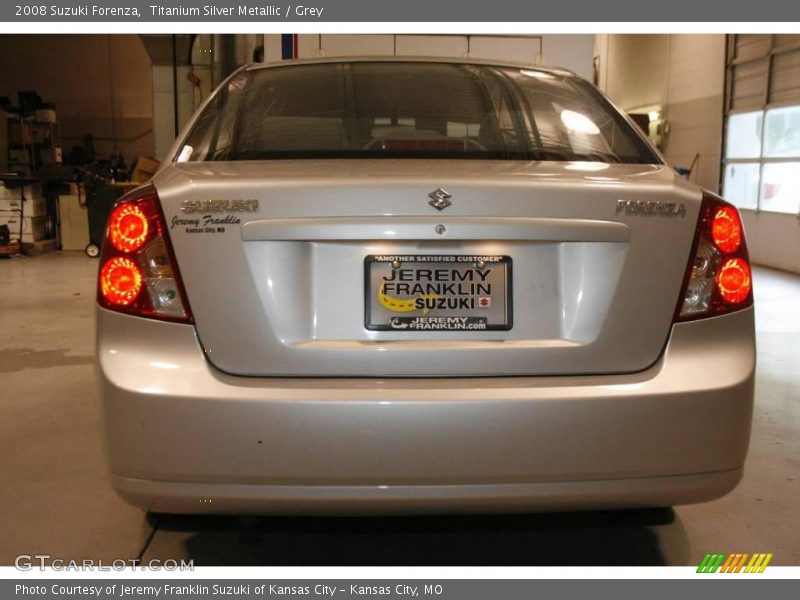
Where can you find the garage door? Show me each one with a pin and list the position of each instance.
(762, 140)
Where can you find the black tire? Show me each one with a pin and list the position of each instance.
(92, 250)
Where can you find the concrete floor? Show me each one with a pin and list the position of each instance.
(56, 498)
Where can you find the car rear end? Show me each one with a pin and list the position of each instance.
(409, 286)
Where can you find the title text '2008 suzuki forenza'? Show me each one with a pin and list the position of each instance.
(410, 285)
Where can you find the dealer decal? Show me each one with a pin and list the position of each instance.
(211, 221)
(437, 292)
(435, 289)
(204, 223)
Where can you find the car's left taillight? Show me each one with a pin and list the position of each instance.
(138, 272)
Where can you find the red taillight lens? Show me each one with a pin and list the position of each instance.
(726, 230)
(733, 280)
(718, 276)
(127, 227)
(138, 272)
(120, 281)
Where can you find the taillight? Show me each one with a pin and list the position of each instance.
(120, 281)
(128, 228)
(726, 229)
(718, 278)
(733, 280)
(138, 273)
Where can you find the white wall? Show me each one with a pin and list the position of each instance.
(441, 45)
(634, 69)
(164, 108)
(575, 52)
(683, 74)
(773, 239)
(686, 75)
(695, 104)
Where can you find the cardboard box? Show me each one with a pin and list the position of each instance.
(10, 190)
(35, 202)
(74, 223)
(144, 170)
(7, 205)
(34, 207)
(34, 229)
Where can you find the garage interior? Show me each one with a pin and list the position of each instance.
(80, 126)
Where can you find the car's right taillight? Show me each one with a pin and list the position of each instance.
(138, 273)
(718, 278)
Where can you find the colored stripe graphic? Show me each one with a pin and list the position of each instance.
(718, 563)
(701, 568)
(711, 563)
(750, 564)
(754, 562)
(740, 562)
(765, 563)
(728, 566)
(758, 563)
(734, 563)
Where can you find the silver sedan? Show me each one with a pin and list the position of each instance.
(420, 285)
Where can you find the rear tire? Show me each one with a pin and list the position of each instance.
(92, 250)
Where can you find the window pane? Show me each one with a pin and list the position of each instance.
(213, 131)
(781, 190)
(782, 135)
(744, 135)
(292, 110)
(573, 122)
(741, 185)
(413, 110)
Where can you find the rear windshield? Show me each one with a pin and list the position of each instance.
(411, 110)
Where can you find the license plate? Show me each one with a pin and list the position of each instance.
(438, 293)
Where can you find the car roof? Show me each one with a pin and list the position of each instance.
(411, 59)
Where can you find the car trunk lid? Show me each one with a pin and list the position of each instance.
(275, 255)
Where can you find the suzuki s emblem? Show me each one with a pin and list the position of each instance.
(440, 199)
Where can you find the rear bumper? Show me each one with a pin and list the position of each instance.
(178, 497)
(183, 437)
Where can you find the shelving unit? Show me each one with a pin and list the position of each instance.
(32, 144)
(31, 140)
